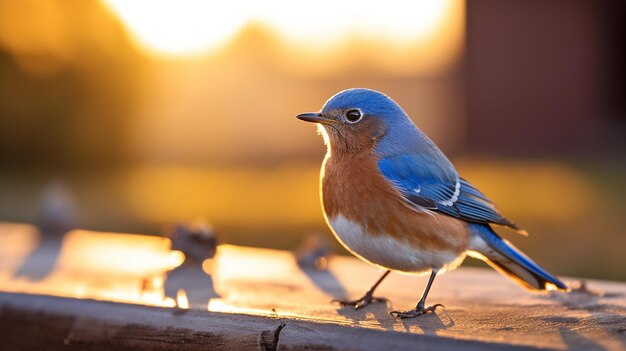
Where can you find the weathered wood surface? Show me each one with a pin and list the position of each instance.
(251, 292)
(50, 323)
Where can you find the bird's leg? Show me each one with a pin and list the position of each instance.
(419, 309)
(367, 298)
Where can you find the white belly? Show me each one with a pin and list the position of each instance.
(388, 252)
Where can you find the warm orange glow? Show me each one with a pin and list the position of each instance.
(132, 269)
(326, 21)
(31, 40)
(217, 305)
(234, 268)
(208, 266)
(175, 258)
(181, 299)
(114, 253)
(194, 27)
(549, 186)
(187, 27)
(17, 241)
(551, 287)
(103, 266)
(174, 193)
(289, 195)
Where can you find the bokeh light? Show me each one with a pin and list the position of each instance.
(192, 27)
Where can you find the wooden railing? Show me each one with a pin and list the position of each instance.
(92, 291)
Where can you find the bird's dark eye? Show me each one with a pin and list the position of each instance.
(353, 116)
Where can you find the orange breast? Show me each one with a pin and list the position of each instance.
(353, 187)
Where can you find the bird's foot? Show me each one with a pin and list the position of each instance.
(362, 302)
(418, 311)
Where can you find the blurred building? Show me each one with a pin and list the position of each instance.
(545, 77)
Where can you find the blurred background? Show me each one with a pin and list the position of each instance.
(132, 115)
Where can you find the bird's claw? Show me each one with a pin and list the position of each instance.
(418, 311)
(360, 303)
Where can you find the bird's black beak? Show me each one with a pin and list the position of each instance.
(315, 117)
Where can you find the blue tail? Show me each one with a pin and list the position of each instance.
(508, 260)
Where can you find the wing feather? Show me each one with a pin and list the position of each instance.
(437, 186)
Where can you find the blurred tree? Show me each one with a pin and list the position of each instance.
(68, 78)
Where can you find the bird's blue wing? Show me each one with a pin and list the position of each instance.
(431, 182)
(419, 178)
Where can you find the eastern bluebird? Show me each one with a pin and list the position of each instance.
(393, 199)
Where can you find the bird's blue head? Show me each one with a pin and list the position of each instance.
(359, 119)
